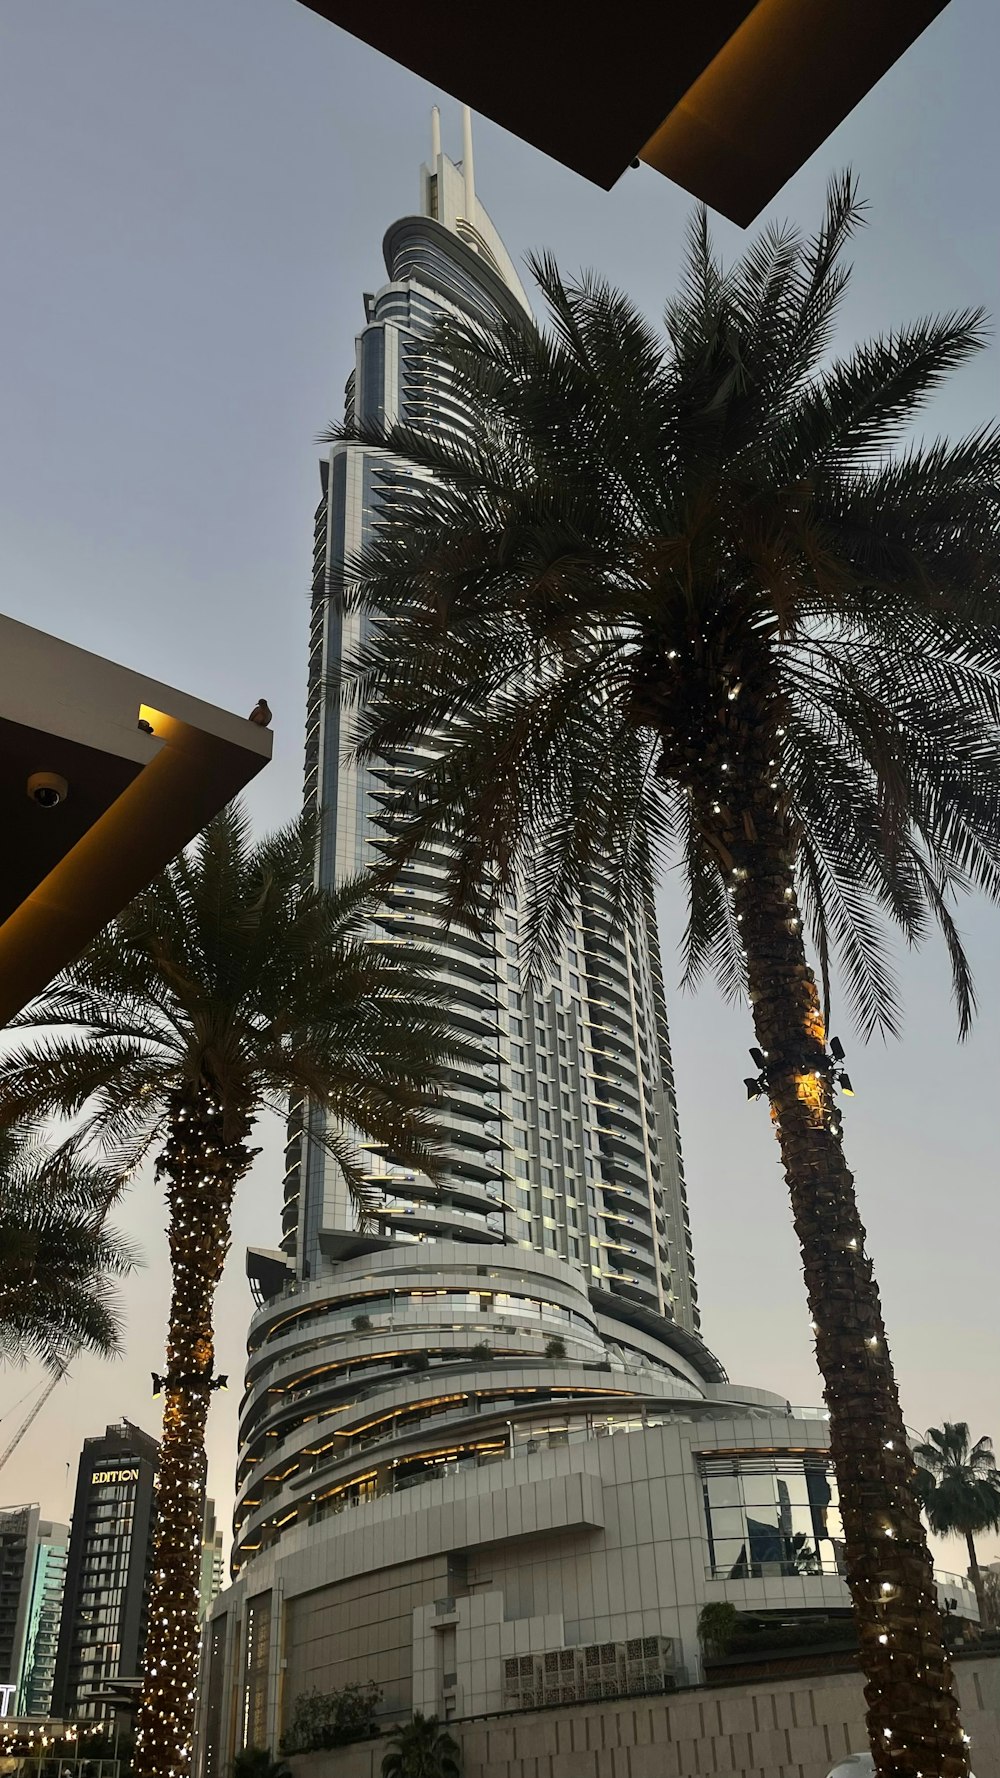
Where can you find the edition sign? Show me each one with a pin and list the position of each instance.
(115, 1475)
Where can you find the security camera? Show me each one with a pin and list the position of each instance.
(47, 789)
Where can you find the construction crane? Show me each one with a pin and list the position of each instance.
(56, 1377)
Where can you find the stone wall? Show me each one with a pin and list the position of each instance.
(797, 1729)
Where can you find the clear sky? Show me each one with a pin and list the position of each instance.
(192, 201)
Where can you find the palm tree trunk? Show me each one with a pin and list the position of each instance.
(202, 1165)
(976, 1577)
(913, 1719)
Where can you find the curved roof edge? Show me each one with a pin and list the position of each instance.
(689, 1345)
(413, 227)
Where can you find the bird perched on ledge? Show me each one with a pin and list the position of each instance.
(261, 713)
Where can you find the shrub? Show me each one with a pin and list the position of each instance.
(418, 1361)
(361, 1323)
(330, 1719)
(717, 1625)
(555, 1348)
(482, 1353)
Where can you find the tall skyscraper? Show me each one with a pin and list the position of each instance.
(562, 1136)
(563, 1161)
(103, 1630)
(485, 1459)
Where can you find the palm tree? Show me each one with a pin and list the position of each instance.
(422, 1748)
(229, 987)
(59, 1258)
(958, 1485)
(688, 593)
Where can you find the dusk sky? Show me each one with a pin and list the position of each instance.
(193, 195)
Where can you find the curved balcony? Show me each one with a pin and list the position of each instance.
(460, 1130)
(615, 1139)
(616, 1114)
(437, 1219)
(473, 1102)
(333, 1406)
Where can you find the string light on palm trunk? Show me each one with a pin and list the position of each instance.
(201, 1166)
(758, 1086)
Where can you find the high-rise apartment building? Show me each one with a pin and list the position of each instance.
(103, 1630)
(18, 1537)
(32, 1573)
(45, 1602)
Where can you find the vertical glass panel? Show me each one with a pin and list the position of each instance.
(215, 1698)
(258, 1650)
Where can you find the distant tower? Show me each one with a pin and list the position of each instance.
(18, 1541)
(212, 1565)
(45, 1602)
(103, 1630)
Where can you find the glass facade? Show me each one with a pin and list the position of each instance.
(257, 1663)
(103, 1629)
(45, 1603)
(213, 1721)
(771, 1516)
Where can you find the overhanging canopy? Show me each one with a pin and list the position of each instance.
(143, 769)
(727, 97)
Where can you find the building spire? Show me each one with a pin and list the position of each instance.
(435, 136)
(468, 166)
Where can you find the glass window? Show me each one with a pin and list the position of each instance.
(723, 1491)
(727, 1521)
(771, 1516)
(258, 1645)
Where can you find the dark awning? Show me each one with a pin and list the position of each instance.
(728, 99)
